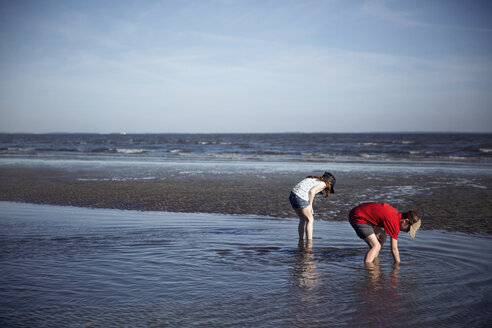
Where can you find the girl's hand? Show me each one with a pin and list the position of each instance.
(311, 209)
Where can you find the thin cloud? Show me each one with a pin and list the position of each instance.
(379, 9)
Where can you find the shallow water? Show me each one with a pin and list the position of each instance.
(73, 267)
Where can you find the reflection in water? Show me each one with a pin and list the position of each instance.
(306, 283)
(380, 297)
(304, 270)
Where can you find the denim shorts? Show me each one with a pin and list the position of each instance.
(297, 202)
(363, 230)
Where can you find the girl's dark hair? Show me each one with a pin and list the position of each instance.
(326, 181)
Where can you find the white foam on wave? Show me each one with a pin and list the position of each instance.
(213, 143)
(130, 151)
(117, 179)
(132, 178)
(19, 149)
(374, 157)
(93, 179)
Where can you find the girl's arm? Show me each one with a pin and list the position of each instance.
(314, 190)
(394, 250)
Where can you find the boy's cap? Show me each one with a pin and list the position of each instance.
(414, 227)
(328, 176)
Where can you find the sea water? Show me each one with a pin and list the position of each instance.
(76, 267)
(122, 157)
(298, 147)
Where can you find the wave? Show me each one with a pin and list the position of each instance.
(117, 179)
(17, 149)
(103, 150)
(203, 142)
(384, 143)
(374, 157)
(212, 143)
(131, 151)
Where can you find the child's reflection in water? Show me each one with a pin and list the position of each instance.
(381, 294)
(305, 271)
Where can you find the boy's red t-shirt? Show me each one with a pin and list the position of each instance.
(382, 215)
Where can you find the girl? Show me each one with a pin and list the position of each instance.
(302, 197)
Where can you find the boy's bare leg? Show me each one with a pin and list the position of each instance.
(374, 248)
(380, 235)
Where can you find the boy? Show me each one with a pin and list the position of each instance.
(368, 219)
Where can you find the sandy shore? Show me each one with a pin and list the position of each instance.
(445, 202)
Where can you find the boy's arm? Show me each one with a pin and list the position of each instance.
(394, 250)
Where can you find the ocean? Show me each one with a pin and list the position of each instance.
(430, 148)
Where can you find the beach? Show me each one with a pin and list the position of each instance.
(447, 178)
(197, 230)
(148, 150)
(446, 199)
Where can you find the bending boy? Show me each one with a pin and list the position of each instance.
(368, 219)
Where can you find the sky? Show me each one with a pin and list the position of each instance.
(227, 66)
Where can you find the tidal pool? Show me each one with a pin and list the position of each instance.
(76, 267)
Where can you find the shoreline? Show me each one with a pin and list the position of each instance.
(444, 202)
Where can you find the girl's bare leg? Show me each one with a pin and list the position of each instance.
(301, 228)
(309, 228)
(306, 222)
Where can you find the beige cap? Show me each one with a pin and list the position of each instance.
(414, 227)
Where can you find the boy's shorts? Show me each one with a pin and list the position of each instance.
(363, 230)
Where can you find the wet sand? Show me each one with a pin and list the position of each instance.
(445, 201)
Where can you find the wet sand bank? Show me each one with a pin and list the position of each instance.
(445, 201)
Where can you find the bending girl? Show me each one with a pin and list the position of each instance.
(302, 197)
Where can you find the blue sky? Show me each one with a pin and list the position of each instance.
(245, 66)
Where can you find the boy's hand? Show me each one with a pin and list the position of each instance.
(394, 250)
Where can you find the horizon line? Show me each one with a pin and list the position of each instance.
(285, 132)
